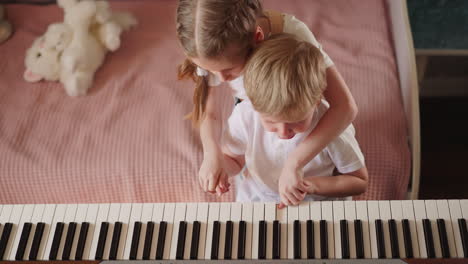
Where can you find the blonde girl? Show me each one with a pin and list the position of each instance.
(217, 37)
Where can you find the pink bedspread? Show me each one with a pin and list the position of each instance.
(127, 140)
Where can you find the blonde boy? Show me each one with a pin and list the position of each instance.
(284, 80)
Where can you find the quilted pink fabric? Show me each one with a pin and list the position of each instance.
(127, 140)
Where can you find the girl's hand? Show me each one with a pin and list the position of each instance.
(210, 173)
(291, 186)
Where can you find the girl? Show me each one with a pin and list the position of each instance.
(217, 37)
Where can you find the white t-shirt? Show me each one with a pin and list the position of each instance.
(291, 25)
(265, 153)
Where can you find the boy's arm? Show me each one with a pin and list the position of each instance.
(338, 117)
(348, 184)
(232, 165)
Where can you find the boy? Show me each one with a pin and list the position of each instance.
(284, 80)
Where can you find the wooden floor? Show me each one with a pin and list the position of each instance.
(444, 148)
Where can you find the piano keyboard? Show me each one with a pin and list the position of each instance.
(205, 231)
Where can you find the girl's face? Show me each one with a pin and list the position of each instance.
(227, 68)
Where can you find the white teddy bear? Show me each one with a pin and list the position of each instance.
(72, 51)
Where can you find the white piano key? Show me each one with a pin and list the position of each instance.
(5, 217)
(247, 216)
(169, 211)
(15, 219)
(282, 217)
(455, 214)
(432, 215)
(304, 215)
(397, 215)
(464, 208)
(124, 218)
(47, 218)
(236, 217)
(316, 216)
(69, 217)
(79, 219)
(327, 214)
(58, 217)
(91, 216)
(350, 216)
(224, 216)
(258, 215)
(270, 216)
(374, 214)
(158, 216)
(191, 217)
(102, 216)
(408, 213)
(146, 215)
(179, 216)
(444, 213)
(202, 217)
(135, 216)
(213, 215)
(25, 217)
(113, 217)
(338, 214)
(385, 215)
(361, 214)
(293, 214)
(419, 215)
(35, 219)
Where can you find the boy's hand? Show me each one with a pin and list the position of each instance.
(291, 186)
(210, 172)
(223, 186)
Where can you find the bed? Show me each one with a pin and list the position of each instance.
(127, 140)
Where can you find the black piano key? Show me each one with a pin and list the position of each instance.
(344, 239)
(195, 240)
(407, 238)
(228, 242)
(297, 239)
(102, 240)
(241, 242)
(135, 240)
(380, 238)
(359, 239)
(262, 233)
(148, 240)
(310, 239)
(69, 241)
(23, 241)
(5, 238)
(323, 239)
(161, 240)
(443, 238)
(463, 235)
(56, 241)
(115, 241)
(394, 238)
(82, 241)
(181, 240)
(215, 240)
(36, 241)
(276, 239)
(428, 238)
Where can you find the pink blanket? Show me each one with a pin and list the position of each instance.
(127, 140)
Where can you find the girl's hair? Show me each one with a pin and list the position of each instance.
(205, 28)
(285, 77)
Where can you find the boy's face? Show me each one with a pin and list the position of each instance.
(286, 129)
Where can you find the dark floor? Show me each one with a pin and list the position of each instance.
(444, 148)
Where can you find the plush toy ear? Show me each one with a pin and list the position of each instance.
(31, 77)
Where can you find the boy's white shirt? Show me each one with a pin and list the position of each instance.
(265, 153)
(292, 26)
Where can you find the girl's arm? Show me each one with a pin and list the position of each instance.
(342, 111)
(353, 183)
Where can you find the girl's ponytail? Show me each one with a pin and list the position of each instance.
(188, 70)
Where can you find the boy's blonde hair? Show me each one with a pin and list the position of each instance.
(285, 77)
(206, 28)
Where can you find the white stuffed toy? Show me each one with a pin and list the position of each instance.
(73, 51)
